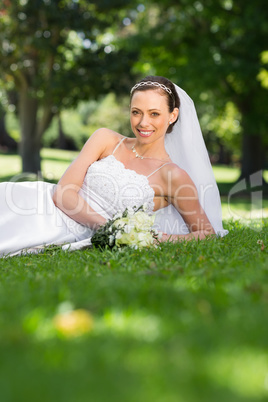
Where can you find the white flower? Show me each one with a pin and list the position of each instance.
(120, 223)
(145, 239)
(127, 239)
(111, 240)
(145, 207)
(118, 235)
(118, 215)
(130, 211)
(143, 221)
(128, 228)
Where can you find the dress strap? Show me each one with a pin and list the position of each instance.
(156, 170)
(118, 145)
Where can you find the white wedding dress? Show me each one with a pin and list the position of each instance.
(29, 218)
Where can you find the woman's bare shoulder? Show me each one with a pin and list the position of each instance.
(107, 135)
(176, 174)
(102, 141)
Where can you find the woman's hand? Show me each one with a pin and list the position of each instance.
(198, 235)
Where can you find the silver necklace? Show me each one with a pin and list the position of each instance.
(145, 157)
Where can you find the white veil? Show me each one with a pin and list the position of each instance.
(186, 147)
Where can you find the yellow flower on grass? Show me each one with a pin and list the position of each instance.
(73, 323)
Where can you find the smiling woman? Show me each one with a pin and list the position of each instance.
(172, 101)
(165, 166)
(150, 118)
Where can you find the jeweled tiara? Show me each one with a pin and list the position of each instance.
(153, 83)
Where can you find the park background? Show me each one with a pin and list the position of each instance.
(192, 324)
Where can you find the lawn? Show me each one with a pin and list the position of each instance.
(54, 163)
(184, 322)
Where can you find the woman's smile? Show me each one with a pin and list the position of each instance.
(145, 133)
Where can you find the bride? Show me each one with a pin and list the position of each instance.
(165, 166)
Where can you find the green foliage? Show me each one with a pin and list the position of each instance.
(80, 123)
(213, 48)
(58, 47)
(263, 74)
(75, 132)
(12, 125)
(222, 130)
(184, 322)
(54, 54)
(110, 112)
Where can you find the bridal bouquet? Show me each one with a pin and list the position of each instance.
(131, 228)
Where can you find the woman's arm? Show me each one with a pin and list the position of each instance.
(182, 194)
(66, 195)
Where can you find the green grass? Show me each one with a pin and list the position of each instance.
(53, 165)
(184, 322)
(226, 174)
(244, 210)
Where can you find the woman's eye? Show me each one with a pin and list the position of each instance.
(135, 112)
(155, 114)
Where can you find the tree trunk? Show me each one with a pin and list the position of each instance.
(5, 140)
(62, 144)
(45, 120)
(252, 155)
(224, 154)
(30, 140)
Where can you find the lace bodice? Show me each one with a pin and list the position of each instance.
(109, 187)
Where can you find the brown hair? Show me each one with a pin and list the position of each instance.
(173, 99)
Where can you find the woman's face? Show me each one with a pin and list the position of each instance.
(149, 115)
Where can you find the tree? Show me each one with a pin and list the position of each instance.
(215, 48)
(6, 141)
(54, 53)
